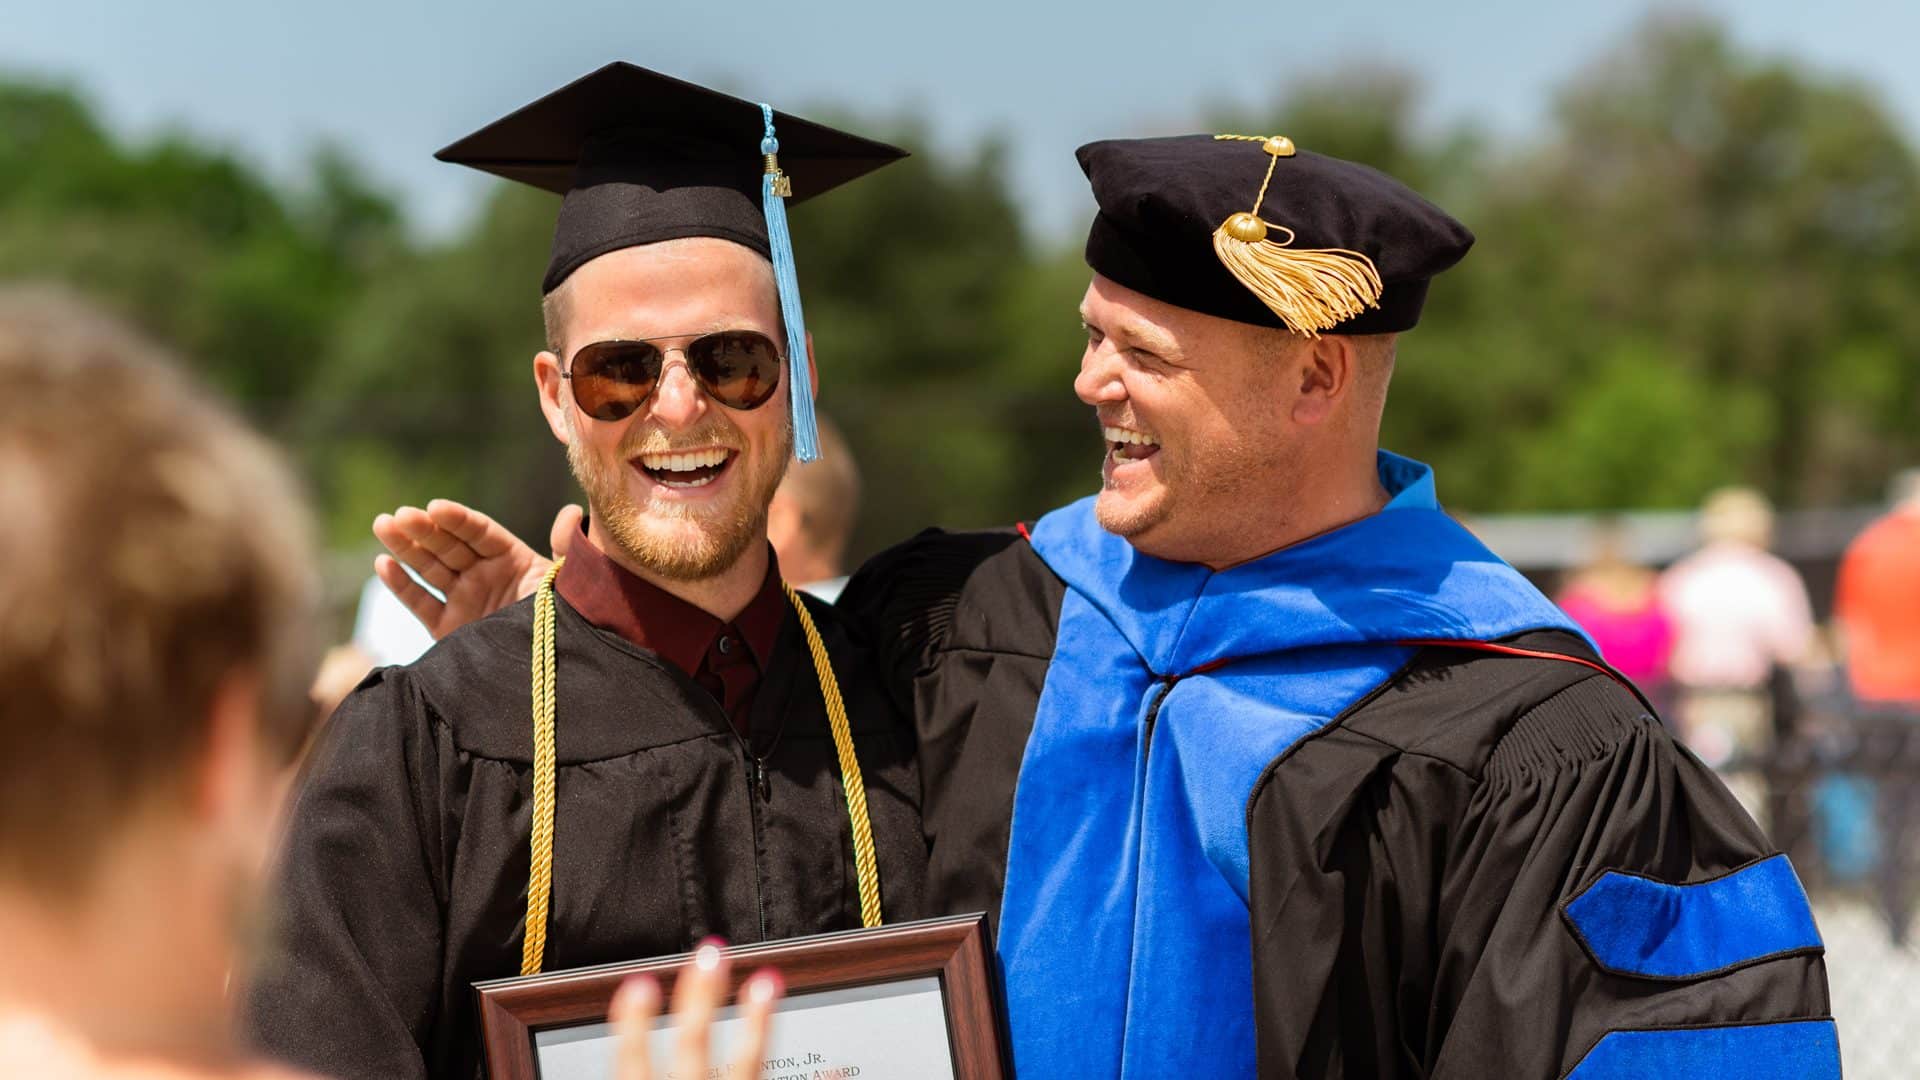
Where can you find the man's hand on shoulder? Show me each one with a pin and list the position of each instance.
(472, 559)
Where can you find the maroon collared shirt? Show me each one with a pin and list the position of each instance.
(726, 659)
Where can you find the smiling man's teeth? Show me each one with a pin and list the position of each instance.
(1124, 435)
(1126, 444)
(684, 462)
(685, 468)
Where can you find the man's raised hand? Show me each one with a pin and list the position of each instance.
(473, 560)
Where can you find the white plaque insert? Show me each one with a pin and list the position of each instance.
(889, 1031)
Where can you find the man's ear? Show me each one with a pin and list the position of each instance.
(1327, 372)
(554, 395)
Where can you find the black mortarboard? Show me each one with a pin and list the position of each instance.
(643, 157)
(1253, 230)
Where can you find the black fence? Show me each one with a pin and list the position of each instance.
(1836, 784)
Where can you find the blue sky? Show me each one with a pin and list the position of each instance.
(397, 79)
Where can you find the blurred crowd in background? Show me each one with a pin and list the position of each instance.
(1808, 717)
(1676, 381)
(1794, 670)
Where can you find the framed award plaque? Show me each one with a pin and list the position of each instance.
(914, 1001)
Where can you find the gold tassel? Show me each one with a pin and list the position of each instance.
(1310, 289)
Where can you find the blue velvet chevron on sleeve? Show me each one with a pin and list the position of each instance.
(1786, 1050)
(1636, 925)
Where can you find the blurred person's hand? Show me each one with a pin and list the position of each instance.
(473, 560)
(698, 993)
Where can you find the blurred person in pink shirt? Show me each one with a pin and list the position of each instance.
(1617, 602)
(1739, 613)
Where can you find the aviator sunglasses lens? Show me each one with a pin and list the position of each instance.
(739, 368)
(611, 379)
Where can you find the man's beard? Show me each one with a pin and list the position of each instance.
(673, 539)
(1187, 488)
(1130, 520)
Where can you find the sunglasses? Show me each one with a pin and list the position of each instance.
(612, 379)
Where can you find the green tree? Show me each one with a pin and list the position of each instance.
(1758, 221)
(427, 387)
(189, 242)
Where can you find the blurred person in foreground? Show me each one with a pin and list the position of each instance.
(1264, 763)
(1741, 619)
(1617, 602)
(154, 665)
(665, 744)
(153, 686)
(1877, 605)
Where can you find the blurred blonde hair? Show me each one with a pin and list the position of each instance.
(1904, 489)
(1738, 515)
(154, 546)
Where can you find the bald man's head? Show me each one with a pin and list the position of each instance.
(815, 509)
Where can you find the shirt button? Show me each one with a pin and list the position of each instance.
(726, 645)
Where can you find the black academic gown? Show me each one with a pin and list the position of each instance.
(1409, 867)
(404, 877)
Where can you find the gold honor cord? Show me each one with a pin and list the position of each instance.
(540, 880)
(850, 779)
(540, 875)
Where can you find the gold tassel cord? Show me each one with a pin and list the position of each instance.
(540, 874)
(865, 867)
(540, 877)
(1310, 289)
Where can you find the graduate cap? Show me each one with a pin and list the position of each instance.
(640, 157)
(1253, 229)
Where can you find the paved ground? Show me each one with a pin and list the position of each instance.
(1876, 991)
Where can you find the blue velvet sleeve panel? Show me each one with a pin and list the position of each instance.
(1419, 870)
(1632, 924)
(1781, 1050)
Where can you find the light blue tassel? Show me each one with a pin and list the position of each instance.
(806, 435)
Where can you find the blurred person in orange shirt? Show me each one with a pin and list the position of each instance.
(1877, 603)
(1740, 613)
(154, 672)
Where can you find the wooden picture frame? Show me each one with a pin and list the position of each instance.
(953, 950)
